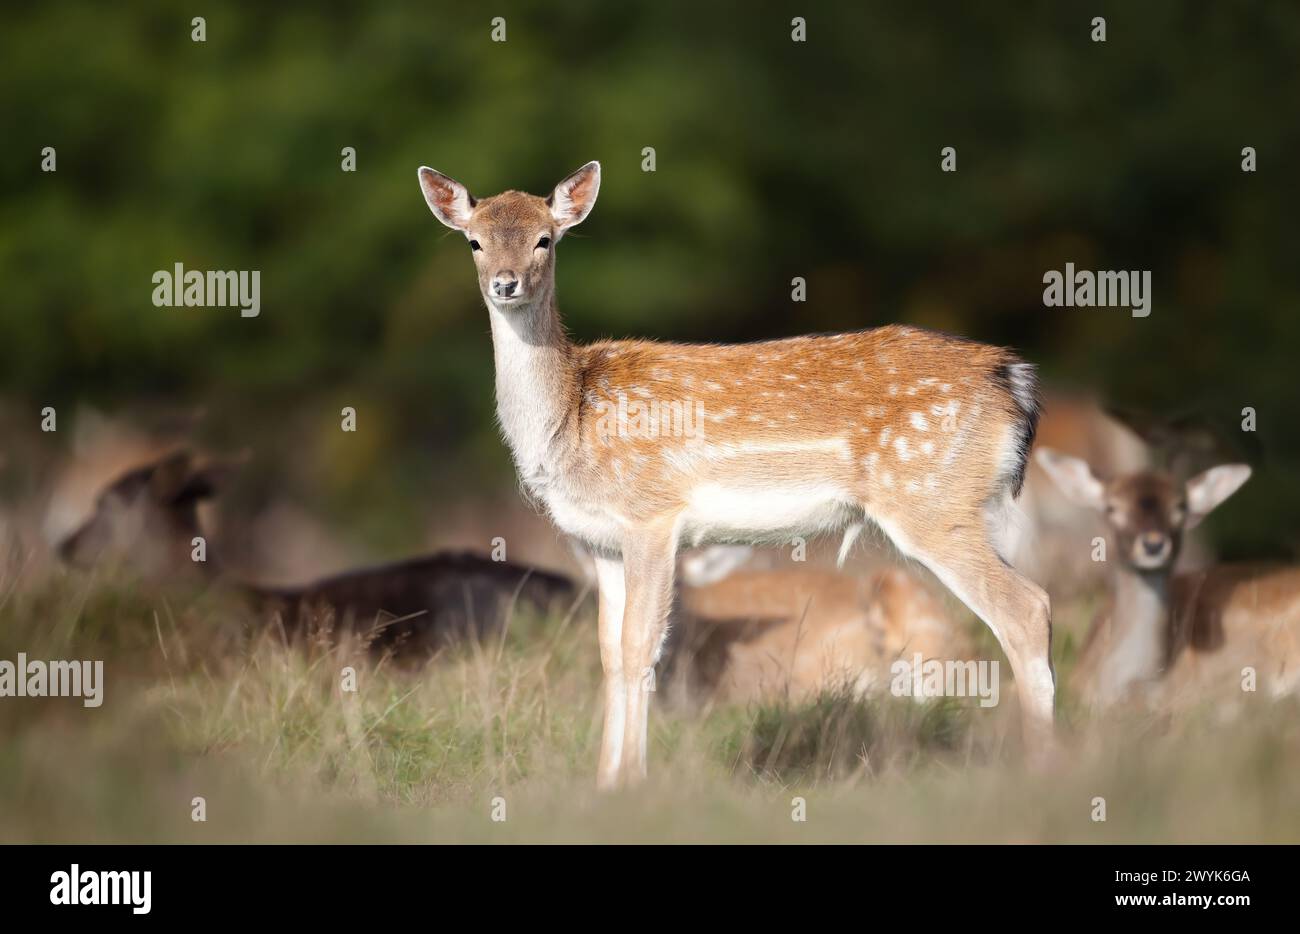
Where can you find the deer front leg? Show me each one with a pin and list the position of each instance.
(648, 559)
(609, 581)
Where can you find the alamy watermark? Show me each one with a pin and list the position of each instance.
(924, 678)
(649, 419)
(34, 678)
(215, 288)
(1084, 288)
(88, 887)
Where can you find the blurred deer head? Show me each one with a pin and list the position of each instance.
(147, 517)
(1148, 511)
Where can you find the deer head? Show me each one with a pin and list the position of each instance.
(147, 517)
(1147, 512)
(512, 234)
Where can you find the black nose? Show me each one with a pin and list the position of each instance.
(505, 285)
(1153, 543)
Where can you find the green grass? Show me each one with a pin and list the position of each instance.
(199, 701)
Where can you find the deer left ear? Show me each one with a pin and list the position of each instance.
(574, 197)
(1207, 490)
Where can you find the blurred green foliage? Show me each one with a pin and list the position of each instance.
(774, 159)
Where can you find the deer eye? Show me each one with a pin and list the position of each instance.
(543, 243)
(473, 245)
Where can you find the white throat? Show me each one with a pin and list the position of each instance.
(534, 383)
(1140, 625)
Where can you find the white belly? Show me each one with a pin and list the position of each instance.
(716, 512)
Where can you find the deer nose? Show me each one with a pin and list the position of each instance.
(505, 284)
(1153, 543)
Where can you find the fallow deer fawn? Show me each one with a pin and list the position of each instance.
(1177, 633)
(925, 435)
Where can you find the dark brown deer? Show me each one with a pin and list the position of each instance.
(147, 519)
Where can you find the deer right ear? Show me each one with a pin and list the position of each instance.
(1074, 477)
(573, 199)
(448, 199)
(1207, 490)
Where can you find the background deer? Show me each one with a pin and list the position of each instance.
(793, 632)
(146, 516)
(1184, 631)
(923, 434)
(1046, 546)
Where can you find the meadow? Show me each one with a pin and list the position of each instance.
(497, 743)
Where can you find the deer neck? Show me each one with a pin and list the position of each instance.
(536, 385)
(1139, 629)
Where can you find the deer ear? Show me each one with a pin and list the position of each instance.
(206, 480)
(1207, 490)
(573, 199)
(169, 475)
(1074, 477)
(448, 199)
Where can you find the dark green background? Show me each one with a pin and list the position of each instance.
(775, 159)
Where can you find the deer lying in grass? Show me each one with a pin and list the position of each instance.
(147, 519)
(923, 434)
(797, 631)
(1179, 634)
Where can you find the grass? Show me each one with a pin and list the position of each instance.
(201, 702)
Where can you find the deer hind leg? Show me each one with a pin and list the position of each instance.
(648, 558)
(610, 583)
(962, 555)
